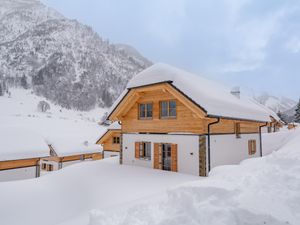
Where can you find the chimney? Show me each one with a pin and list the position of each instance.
(236, 92)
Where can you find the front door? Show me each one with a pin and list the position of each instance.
(166, 157)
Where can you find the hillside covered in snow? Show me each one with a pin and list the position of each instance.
(61, 59)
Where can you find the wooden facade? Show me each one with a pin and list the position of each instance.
(108, 141)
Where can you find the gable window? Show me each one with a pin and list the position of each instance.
(116, 140)
(143, 150)
(237, 130)
(251, 147)
(145, 111)
(168, 109)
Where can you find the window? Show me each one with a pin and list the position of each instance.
(145, 111)
(49, 167)
(81, 157)
(168, 109)
(143, 150)
(116, 140)
(252, 147)
(44, 166)
(237, 130)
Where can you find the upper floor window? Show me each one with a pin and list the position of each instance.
(168, 109)
(145, 111)
(116, 140)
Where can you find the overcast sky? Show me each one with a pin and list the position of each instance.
(251, 43)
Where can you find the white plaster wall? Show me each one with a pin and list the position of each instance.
(227, 149)
(108, 154)
(186, 144)
(18, 174)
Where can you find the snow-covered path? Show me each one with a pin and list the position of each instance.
(259, 191)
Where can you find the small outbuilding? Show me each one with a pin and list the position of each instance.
(20, 153)
(64, 152)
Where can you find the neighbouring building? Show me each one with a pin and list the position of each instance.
(110, 140)
(64, 152)
(177, 121)
(20, 153)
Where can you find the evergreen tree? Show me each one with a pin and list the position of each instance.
(297, 114)
(24, 83)
(281, 116)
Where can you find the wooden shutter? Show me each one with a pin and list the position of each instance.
(174, 158)
(137, 150)
(252, 147)
(156, 156)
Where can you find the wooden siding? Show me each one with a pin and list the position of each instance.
(107, 141)
(12, 164)
(186, 120)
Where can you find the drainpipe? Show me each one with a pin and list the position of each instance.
(208, 139)
(260, 138)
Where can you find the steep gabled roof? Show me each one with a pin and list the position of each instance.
(215, 99)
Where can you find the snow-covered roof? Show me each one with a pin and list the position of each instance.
(19, 143)
(211, 96)
(114, 126)
(72, 146)
(269, 111)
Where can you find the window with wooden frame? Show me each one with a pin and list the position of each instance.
(49, 167)
(143, 150)
(237, 130)
(168, 109)
(116, 140)
(252, 147)
(44, 165)
(145, 111)
(82, 158)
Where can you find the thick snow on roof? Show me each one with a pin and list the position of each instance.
(19, 143)
(72, 146)
(213, 97)
(114, 126)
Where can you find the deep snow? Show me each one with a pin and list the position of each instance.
(258, 191)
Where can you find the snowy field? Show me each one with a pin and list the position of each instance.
(20, 112)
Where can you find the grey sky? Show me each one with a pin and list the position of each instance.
(251, 43)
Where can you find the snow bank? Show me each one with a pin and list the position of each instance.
(213, 97)
(65, 194)
(259, 191)
(20, 143)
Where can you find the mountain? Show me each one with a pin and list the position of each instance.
(276, 104)
(61, 59)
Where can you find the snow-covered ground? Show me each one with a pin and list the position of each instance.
(20, 112)
(258, 191)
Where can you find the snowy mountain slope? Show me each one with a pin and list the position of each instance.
(19, 111)
(276, 104)
(61, 59)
